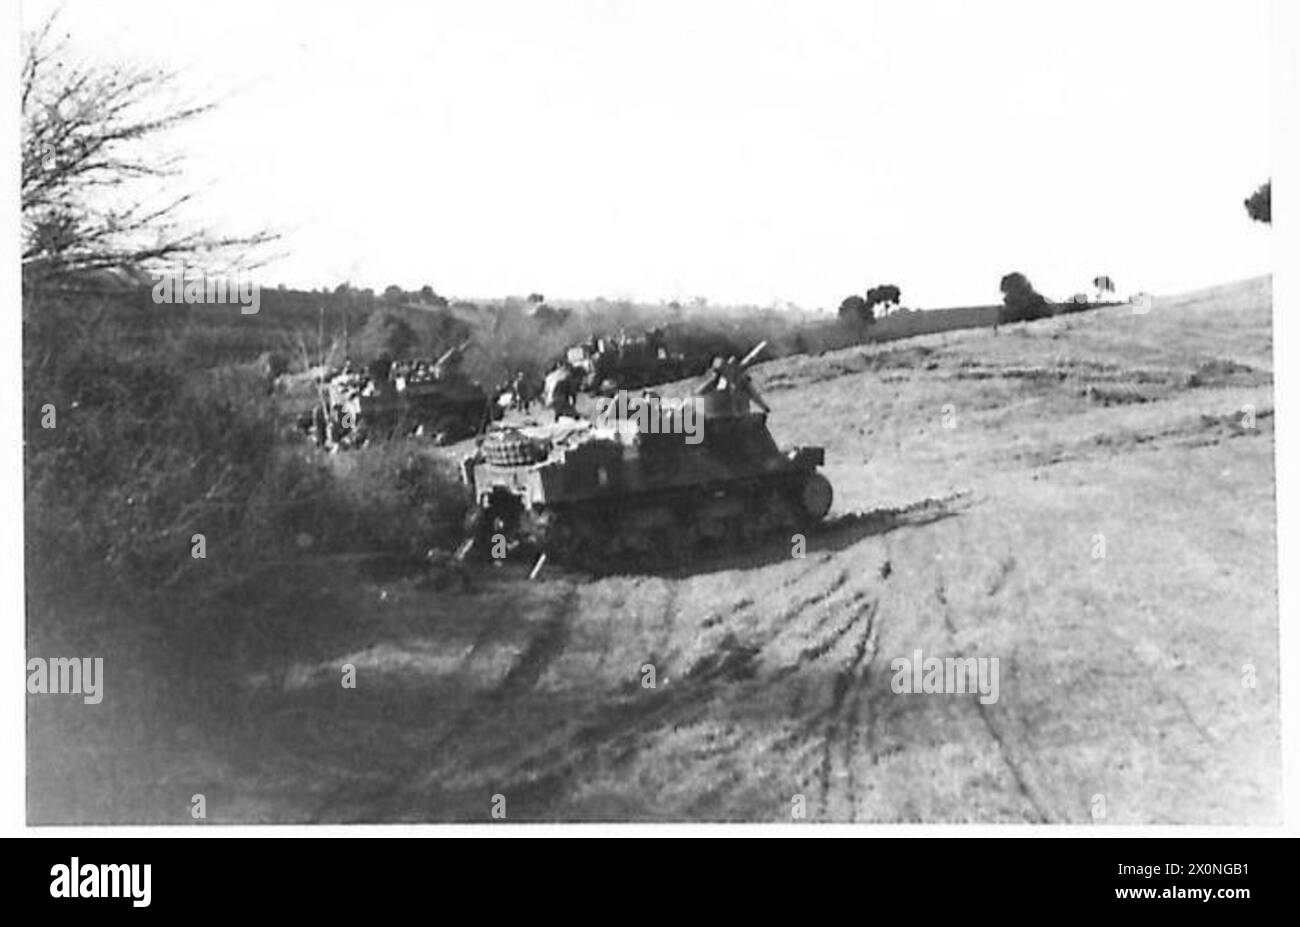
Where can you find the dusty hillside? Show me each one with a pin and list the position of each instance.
(1088, 499)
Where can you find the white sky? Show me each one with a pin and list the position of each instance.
(747, 152)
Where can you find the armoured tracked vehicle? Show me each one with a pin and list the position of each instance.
(608, 365)
(407, 398)
(656, 484)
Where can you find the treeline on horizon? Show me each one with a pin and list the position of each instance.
(295, 330)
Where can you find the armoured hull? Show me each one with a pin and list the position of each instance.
(602, 495)
(633, 366)
(444, 412)
(352, 413)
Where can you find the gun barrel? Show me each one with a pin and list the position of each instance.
(752, 355)
(454, 349)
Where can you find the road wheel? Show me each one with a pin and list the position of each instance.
(815, 496)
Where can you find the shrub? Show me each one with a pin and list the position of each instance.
(393, 499)
(856, 309)
(146, 452)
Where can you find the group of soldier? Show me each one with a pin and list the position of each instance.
(563, 383)
(516, 393)
(652, 339)
(559, 392)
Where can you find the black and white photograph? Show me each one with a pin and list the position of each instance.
(611, 413)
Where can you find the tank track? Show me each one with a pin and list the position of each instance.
(669, 529)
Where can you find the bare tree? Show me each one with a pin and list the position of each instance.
(89, 155)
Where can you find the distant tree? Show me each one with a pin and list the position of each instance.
(1021, 302)
(386, 335)
(429, 296)
(394, 294)
(886, 295)
(1260, 203)
(536, 298)
(548, 316)
(856, 309)
(1103, 285)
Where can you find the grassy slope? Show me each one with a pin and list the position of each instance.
(1121, 676)
(1128, 669)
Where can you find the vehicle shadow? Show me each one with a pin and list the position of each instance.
(835, 534)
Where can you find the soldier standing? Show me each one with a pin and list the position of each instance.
(561, 391)
(520, 389)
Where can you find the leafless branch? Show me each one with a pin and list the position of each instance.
(84, 159)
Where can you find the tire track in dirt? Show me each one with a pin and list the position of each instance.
(1191, 719)
(742, 653)
(609, 627)
(941, 595)
(842, 729)
(1016, 764)
(619, 727)
(545, 645)
(488, 633)
(384, 802)
(811, 657)
(350, 800)
(819, 649)
(819, 619)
